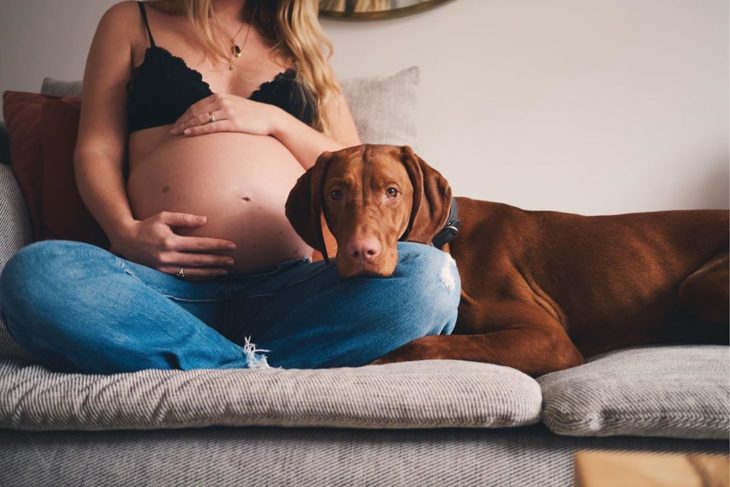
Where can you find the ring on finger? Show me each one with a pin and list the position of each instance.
(181, 273)
(211, 117)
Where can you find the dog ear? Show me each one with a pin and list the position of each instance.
(431, 198)
(304, 204)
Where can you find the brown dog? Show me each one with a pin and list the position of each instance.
(540, 290)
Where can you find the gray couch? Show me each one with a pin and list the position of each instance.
(419, 423)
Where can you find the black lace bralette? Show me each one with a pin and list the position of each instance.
(164, 86)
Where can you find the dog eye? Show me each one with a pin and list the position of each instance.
(391, 192)
(336, 194)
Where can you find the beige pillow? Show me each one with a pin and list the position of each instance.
(385, 107)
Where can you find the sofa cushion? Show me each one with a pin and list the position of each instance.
(384, 107)
(56, 87)
(16, 233)
(672, 391)
(64, 214)
(425, 394)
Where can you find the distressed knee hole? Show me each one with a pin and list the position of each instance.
(255, 360)
(447, 275)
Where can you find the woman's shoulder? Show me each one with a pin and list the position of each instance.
(119, 20)
(123, 11)
(127, 12)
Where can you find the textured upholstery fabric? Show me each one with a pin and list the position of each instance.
(424, 394)
(15, 232)
(519, 457)
(385, 108)
(673, 391)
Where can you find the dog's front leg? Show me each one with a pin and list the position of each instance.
(534, 350)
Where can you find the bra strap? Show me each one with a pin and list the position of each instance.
(144, 17)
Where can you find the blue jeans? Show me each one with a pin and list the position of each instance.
(79, 308)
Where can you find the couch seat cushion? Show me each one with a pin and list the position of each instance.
(425, 394)
(672, 391)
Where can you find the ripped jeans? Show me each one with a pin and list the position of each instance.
(79, 308)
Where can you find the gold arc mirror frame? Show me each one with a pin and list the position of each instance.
(374, 9)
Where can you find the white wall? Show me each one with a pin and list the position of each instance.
(589, 106)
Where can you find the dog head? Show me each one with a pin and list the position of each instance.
(371, 196)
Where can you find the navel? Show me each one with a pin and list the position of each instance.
(165, 188)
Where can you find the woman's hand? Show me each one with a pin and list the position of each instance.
(232, 113)
(153, 243)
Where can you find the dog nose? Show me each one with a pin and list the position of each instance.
(364, 249)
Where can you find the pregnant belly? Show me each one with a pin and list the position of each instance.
(240, 182)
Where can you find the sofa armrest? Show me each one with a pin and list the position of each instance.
(14, 220)
(15, 233)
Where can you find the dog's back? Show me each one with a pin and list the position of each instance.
(612, 281)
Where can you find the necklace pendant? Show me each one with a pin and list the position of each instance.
(235, 50)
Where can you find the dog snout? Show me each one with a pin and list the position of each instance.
(364, 249)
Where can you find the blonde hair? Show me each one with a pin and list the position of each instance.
(293, 29)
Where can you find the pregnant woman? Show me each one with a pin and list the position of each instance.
(197, 118)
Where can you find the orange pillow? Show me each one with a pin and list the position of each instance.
(22, 113)
(42, 133)
(63, 213)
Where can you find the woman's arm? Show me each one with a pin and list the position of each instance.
(307, 143)
(101, 143)
(238, 114)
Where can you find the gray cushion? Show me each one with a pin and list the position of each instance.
(423, 394)
(291, 457)
(383, 107)
(57, 87)
(14, 233)
(672, 391)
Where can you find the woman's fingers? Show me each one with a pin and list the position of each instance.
(219, 126)
(195, 120)
(200, 244)
(177, 219)
(179, 242)
(194, 111)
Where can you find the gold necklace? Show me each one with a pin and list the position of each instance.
(236, 50)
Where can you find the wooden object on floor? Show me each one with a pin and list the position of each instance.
(643, 469)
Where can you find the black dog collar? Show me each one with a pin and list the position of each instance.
(451, 228)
